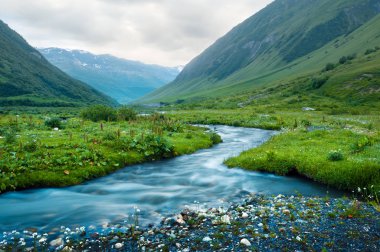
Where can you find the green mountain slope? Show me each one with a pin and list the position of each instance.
(28, 79)
(286, 39)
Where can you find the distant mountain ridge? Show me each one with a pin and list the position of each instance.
(123, 80)
(271, 45)
(28, 79)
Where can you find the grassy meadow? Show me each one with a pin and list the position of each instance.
(54, 151)
(342, 151)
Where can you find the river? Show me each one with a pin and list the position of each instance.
(157, 188)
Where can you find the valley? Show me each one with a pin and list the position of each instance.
(268, 140)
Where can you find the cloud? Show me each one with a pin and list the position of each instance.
(166, 32)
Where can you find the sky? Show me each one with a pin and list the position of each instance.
(163, 32)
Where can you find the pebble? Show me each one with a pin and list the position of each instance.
(226, 219)
(245, 242)
(119, 245)
(57, 242)
(207, 239)
(244, 215)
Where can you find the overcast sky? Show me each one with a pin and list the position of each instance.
(165, 32)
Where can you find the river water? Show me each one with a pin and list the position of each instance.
(157, 188)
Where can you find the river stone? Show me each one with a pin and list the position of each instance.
(225, 219)
(207, 239)
(119, 245)
(245, 242)
(244, 215)
(57, 242)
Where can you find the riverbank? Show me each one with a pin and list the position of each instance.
(339, 150)
(257, 222)
(49, 151)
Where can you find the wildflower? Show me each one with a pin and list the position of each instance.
(359, 190)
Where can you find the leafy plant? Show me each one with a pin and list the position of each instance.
(335, 156)
(316, 83)
(98, 113)
(125, 113)
(361, 144)
(53, 123)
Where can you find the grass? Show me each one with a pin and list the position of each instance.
(34, 153)
(326, 156)
(338, 150)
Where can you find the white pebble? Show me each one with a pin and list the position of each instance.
(119, 245)
(206, 239)
(225, 219)
(245, 242)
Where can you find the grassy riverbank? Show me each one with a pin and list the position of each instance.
(40, 151)
(340, 150)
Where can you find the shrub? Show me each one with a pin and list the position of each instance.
(318, 82)
(369, 51)
(329, 67)
(53, 123)
(361, 144)
(335, 156)
(126, 114)
(343, 60)
(215, 138)
(154, 146)
(98, 113)
(109, 136)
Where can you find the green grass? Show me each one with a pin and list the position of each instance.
(337, 150)
(34, 155)
(314, 155)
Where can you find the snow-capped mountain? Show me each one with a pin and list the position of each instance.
(124, 80)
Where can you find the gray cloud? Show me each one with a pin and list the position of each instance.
(166, 32)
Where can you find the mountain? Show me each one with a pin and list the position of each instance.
(123, 80)
(288, 38)
(28, 79)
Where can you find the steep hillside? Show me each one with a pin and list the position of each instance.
(28, 79)
(285, 37)
(123, 80)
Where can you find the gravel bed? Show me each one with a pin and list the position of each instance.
(257, 223)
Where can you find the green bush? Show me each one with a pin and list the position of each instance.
(335, 156)
(361, 144)
(369, 51)
(98, 113)
(215, 138)
(316, 83)
(343, 60)
(53, 123)
(329, 67)
(109, 136)
(126, 114)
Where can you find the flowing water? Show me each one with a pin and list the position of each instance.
(157, 188)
